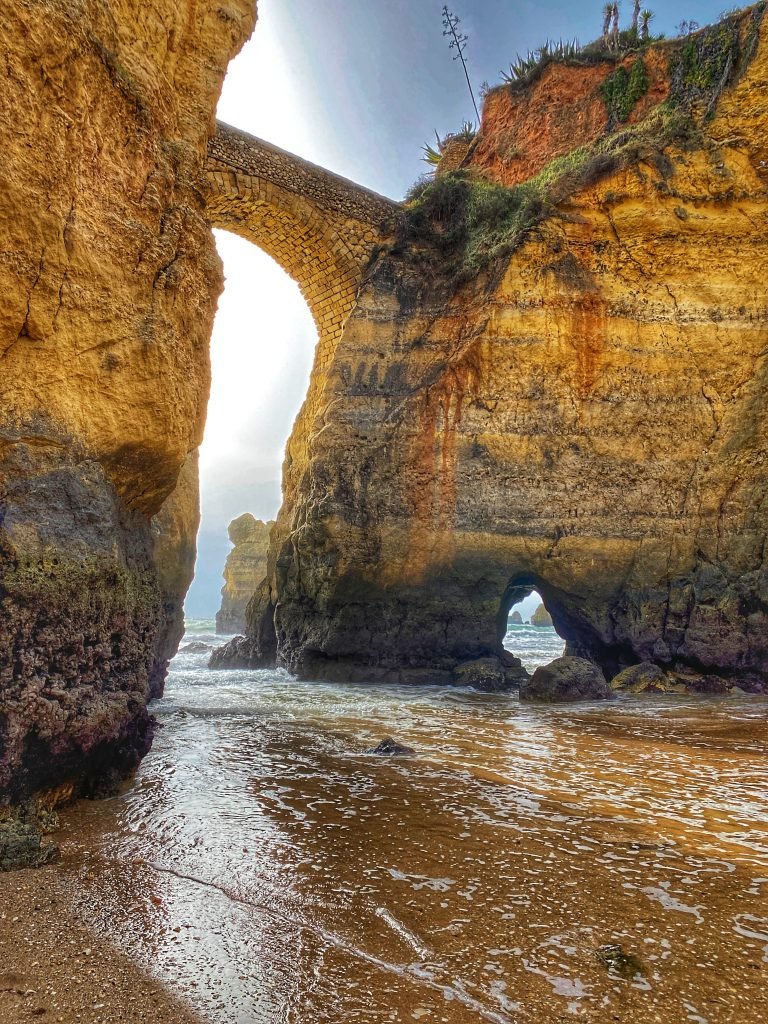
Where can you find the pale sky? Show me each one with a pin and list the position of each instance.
(357, 86)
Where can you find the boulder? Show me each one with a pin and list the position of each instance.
(645, 678)
(22, 846)
(239, 652)
(566, 679)
(491, 674)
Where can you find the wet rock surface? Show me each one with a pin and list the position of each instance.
(22, 846)
(390, 747)
(616, 961)
(564, 680)
(239, 652)
(645, 678)
(491, 674)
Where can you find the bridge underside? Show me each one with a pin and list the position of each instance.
(320, 228)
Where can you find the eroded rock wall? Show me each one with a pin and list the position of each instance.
(586, 417)
(109, 279)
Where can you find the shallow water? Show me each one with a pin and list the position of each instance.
(271, 871)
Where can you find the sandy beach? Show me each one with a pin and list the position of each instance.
(55, 967)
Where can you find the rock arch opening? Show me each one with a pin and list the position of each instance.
(261, 352)
(526, 626)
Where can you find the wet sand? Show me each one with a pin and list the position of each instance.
(55, 967)
(606, 863)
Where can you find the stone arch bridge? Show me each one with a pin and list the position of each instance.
(319, 227)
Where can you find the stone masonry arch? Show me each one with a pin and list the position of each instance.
(320, 228)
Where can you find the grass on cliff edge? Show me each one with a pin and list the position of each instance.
(467, 222)
(464, 223)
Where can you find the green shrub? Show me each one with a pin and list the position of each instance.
(623, 89)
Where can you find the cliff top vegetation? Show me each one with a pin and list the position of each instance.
(470, 221)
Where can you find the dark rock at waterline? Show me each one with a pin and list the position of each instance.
(391, 747)
(566, 679)
(626, 965)
(645, 678)
(492, 674)
(196, 647)
(22, 846)
(239, 652)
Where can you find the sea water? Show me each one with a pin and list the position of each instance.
(601, 862)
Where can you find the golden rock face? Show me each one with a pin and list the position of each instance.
(109, 278)
(586, 417)
(245, 568)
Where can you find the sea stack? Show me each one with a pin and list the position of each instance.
(541, 617)
(245, 568)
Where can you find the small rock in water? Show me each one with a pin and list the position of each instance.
(626, 965)
(196, 647)
(390, 746)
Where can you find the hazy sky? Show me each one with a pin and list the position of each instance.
(357, 86)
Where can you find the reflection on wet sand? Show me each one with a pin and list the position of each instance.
(603, 862)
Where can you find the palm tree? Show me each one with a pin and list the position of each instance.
(635, 16)
(615, 27)
(607, 12)
(645, 20)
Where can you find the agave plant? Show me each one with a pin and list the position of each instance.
(561, 50)
(646, 17)
(432, 154)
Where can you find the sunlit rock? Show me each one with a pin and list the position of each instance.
(564, 680)
(246, 567)
(541, 617)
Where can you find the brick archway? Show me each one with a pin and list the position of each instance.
(320, 228)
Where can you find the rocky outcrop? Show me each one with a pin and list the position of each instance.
(541, 617)
(566, 680)
(245, 568)
(559, 388)
(515, 618)
(109, 281)
(491, 674)
(645, 678)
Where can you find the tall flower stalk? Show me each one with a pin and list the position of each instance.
(458, 42)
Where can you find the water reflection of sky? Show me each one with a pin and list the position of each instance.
(274, 871)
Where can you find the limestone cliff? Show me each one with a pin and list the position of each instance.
(245, 568)
(573, 404)
(109, 279)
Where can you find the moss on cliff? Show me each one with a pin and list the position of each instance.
(705, 63)
(103, 589)
(622, 91)
(468, 222)
(461, 222)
